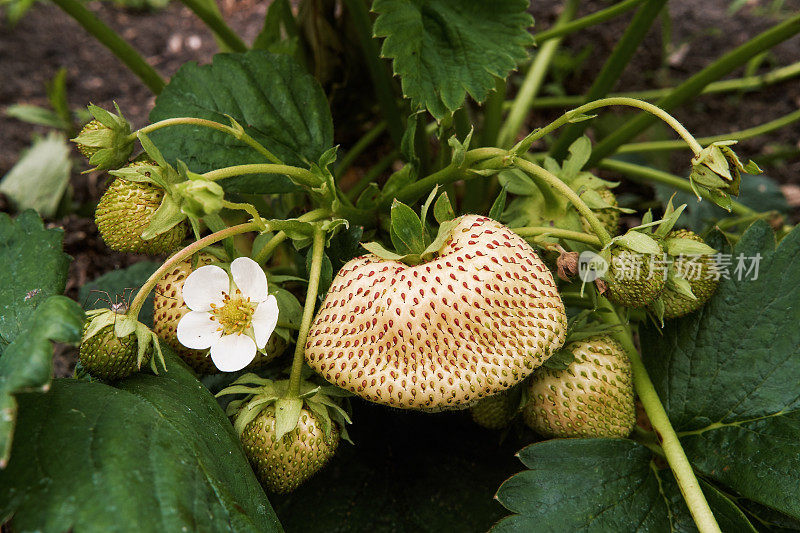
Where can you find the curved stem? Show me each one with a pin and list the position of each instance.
(214, 21)
(533, 81)
(264, 253)
(539, 173)
(747, 83)
(370, 175)
(111, 40)
(755, 131)
(141, 295)
(308, 312)
(694, 85)
(192, 121)
(589, 20)
(622, 101)
(300, 176)
(545, 231)
(361, 145)
(665, 433)
(641, 174)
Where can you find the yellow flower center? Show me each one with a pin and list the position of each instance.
(235, 314)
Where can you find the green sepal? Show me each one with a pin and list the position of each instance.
(199, 198)
(141, 174)
(637, 242)
(423, 214)
(112, 141)
(400, 179)
(579, 153)
(560, 360)
(683, 246)
(443, 209)
(167, 216)
(671, 216)
(522, 147)
(679, 284)
(499, 205)
(287, 413)
(517, 182)
(459, 148)
(407, 233)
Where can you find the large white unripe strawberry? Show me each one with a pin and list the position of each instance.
(472, 322)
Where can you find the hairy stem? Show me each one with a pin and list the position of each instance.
(533, 81)
(111, 40)
(191, 121)
(748, 83)
(545, 231)
(266, 251)
(540, 174)
(141, 295)
(665, 433)
(308, 312)
(657, 146)
(209, 14)
(298, 175)
(641, 174)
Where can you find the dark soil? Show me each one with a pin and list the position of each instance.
(46, 39)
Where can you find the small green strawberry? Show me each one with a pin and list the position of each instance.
(592, 398)
(125, 212)
(284, 464)
(114, 345)
(495, 412)
(634, 279)
(106, 141)
(169, 308)
(286, 437)
(699, 271)
(609, 217)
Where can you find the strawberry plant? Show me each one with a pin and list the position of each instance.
(488, 336)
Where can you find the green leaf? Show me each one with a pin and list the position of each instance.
(443, 209)
(120, 286)
(27, 363)
(155, 453)
(276, 101)
(407, 233)
(601, 485)
(579, 153)
(408, 471)
(728, 375)
(34, 268)
(40, 177)
(33, 114)
(517, 182)
(444, 49)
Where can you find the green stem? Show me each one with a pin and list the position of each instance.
(694, 85)
(612, 69)
(665, 433)
(308, 312)
(533, 81)
(370, 175)
(111, 40)
(493, 113)
(141, 295)
(589, 20)
(641, 174)
(264, 253)
(192, 121)
(300, 176)
(747, 83)
(755, 131)
(211, 16)
(361, 145)
(631, 102)
(381, 81)
(540, 174)
(544, 231)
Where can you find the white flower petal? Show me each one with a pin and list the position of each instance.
(233, 352)
(264, 321)
(197, 330)
(204, 287)
(249, 278)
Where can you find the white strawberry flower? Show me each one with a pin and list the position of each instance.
(233, 315)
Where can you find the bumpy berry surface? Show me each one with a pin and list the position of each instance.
(108, 357)
(169, 308)
(702, 280)
(638, 282)
(609, 218)
(494, 412)
(471, 323)
(283, 465)
(89, 151)
(125, 211)
(593, 397)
